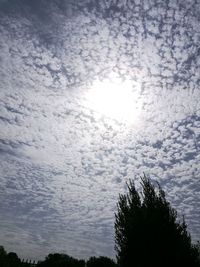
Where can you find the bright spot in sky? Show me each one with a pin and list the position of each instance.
(116, 99)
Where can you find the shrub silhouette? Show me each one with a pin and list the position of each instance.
(147, 232)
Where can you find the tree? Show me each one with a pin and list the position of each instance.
(13, 260)
(100, 262)
(3, 252)
(3, 255)
(61, 260)
(147, 232)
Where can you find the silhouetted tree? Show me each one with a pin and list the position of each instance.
(100, 262)
(197, 246)
(13, 260)
(3, 256)
(147, 232)
(61, 260)
(3, 252)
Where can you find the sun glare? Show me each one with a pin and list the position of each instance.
(116, 99)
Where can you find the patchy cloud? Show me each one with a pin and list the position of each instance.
(63, 163)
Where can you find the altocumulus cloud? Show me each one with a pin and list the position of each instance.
(62, 163)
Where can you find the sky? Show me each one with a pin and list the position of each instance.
(93, 93)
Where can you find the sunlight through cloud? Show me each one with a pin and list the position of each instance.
(116, 99)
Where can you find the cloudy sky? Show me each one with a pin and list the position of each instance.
(93, 93)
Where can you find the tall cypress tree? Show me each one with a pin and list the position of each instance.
(147, 232)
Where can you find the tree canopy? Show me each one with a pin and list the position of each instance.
(61, 260)
(147, 231)
(100, 262)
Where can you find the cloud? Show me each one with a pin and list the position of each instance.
(63, 163)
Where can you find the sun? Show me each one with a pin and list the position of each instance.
(116, 99)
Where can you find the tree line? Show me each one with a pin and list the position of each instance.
(53, 260)
(147, 234)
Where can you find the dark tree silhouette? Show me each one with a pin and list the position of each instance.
(147, 232)
(3, 256)
(9, 259)
(13, 260)
(100, 262)
(3, 253)
(61, 260)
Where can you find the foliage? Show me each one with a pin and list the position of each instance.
(100, 262)
(53, 260)
(61, 260)
(9, 259)
(147, 232)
